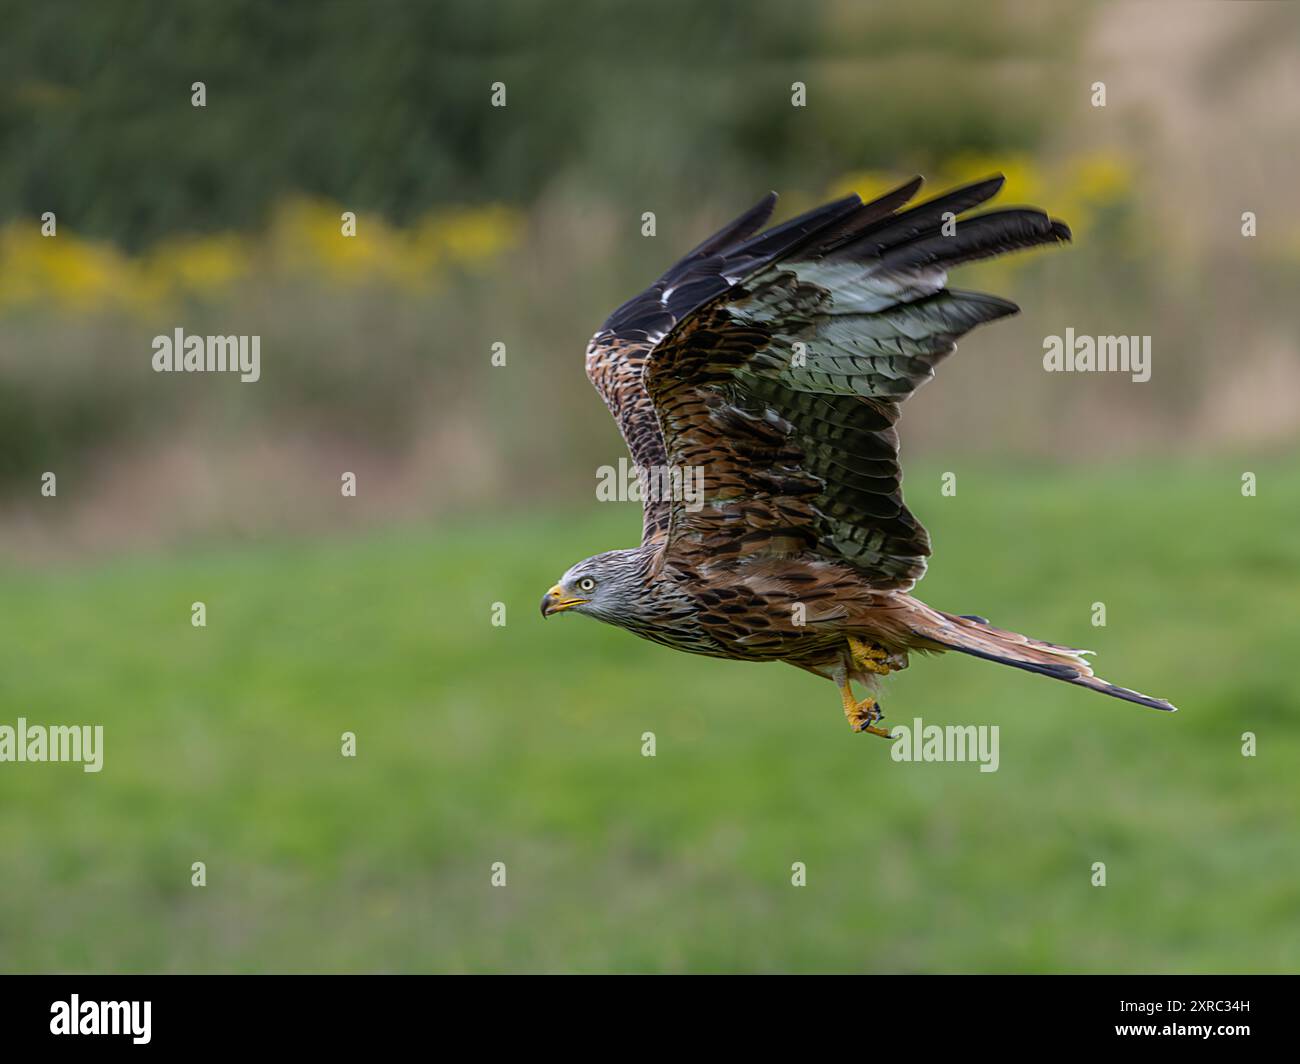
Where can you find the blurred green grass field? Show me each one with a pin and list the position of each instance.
(522, 744)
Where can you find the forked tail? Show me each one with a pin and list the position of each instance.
(975, 636)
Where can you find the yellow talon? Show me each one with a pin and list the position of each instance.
(862, 716)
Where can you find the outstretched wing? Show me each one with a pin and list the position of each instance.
(775, 366)
(617, 353)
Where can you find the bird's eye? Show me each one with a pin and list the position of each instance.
(586, 584)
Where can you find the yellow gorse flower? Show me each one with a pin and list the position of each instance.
(305, 238)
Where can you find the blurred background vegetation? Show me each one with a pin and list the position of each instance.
(522, 225)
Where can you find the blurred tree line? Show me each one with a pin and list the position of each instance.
(385, 106)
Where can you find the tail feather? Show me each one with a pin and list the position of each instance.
(974, 636)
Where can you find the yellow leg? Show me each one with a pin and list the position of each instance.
(869, 657)
(862, 716)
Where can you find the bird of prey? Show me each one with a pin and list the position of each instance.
(773, 364)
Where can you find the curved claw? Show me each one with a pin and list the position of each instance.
(862, 716)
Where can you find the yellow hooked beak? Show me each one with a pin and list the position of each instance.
(555, 602)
